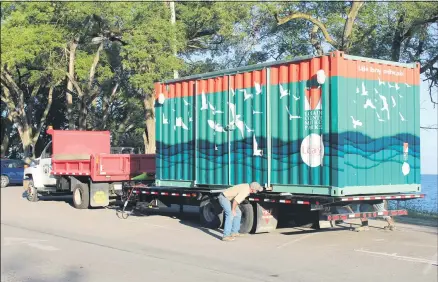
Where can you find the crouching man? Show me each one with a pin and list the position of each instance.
(229, 201)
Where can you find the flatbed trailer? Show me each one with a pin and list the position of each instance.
(261, 211)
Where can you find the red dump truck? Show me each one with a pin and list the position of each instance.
(80, 162)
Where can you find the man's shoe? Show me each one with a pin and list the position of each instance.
(228, 238)
(235, 235)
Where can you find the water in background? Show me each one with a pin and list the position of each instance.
(429, 187)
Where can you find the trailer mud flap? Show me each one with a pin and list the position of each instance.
(99, 194)
(266, 218)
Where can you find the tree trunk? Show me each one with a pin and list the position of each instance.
(69, 96)
(6, 127)
(149, 134)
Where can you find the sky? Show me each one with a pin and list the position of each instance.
(428, 138)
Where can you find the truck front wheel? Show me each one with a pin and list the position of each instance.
(32, 193)
(81, 196)
(211, 215)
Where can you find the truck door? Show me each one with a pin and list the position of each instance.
(46, 166)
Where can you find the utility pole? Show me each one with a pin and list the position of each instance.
(173, 22)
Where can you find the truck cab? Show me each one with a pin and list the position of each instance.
(38, 173)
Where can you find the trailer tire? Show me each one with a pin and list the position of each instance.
(81, 196)
(211, 214)
(247, 222)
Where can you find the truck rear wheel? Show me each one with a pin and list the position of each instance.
(81, 196)
(247, 222)
(32, 193)
(211, 215)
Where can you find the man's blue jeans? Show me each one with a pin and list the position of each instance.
(232, 223)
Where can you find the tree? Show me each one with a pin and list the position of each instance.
(30, 58)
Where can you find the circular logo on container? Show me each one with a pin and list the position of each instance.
(406, 168)
(312, 150)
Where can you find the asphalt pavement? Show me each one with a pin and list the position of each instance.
(51, 241)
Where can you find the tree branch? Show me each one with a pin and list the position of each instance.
(93, 66)
(298, 15)
(348, 27)
(44, 115)
(75, 84)
(429, 64)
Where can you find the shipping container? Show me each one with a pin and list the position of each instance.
(331, 125)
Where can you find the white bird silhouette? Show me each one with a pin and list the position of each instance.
(232, 92)
(370, 104)
(248, 129)
(213, 109)
(393, 102)
(356, 123)
(246, 95)
(296, 98)
(364, 91)
(235, 119)
(291, 116)
(215, 147)
(397, 87)
(258, 88)
(407, 85)
(357, 90)
(400, 96)
(354, 101)
(215, 126)
(283, 92)
(390, 86)
(385, 105)
(179, 123)
(381, 82)
(378, 117)
(402, 118)
(204, 104)
(165, 120)
(190, 119)
(185, 102)
(375, 90)
(255, 147)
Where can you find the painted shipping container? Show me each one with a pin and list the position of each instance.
(328, 125)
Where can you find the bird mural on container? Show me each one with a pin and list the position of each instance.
(356, 123)
(179, 123)
(255, 147)
(369, 104)
(385, 105)
(248, 129)
(204, 103)
(381, 82)
(215, 126)
(364, 91)
(402, 118)
(393, 102)
(291, 117)
(235, 119)
(165, 120)
(213, 109)
(283, 92)
(246, 95)
(258, 88)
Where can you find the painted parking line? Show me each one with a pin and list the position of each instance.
(34, 243)
(395, 256)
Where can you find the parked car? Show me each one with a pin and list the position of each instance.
(11, 172)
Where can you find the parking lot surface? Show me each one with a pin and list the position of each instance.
(51, 241)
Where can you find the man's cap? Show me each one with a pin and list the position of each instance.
(256, 186)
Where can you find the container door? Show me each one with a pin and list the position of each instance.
(212, 137)
(248, 132)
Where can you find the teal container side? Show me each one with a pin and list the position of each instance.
(379, 133)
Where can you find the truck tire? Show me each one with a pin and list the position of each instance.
(211, 215)
(81, 196)
(4, 181)
(32, 193)
(247, 222)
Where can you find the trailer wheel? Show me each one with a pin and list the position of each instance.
(247, 222)
(32, 193)
(211, 215)
(81, 196)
